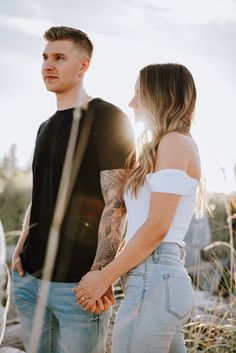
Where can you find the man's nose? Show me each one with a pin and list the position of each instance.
(48, 65)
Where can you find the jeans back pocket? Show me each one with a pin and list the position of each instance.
(179, 295)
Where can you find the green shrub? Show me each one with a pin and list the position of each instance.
(13, 204)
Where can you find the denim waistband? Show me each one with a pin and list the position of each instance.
(167, 253)
(168, 249)
(171, 249)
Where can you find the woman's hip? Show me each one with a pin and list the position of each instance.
(160, 285)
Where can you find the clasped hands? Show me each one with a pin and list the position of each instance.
(94, 292)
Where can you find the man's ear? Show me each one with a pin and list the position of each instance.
(84, 65)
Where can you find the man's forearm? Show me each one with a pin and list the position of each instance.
(113, 218)
(24, 232)
(110, 233)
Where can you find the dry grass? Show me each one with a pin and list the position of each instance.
(215, 332)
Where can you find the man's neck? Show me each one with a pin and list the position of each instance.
(71, 99)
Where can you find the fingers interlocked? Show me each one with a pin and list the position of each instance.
(82, 300)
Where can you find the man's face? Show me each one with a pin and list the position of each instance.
(62, 66)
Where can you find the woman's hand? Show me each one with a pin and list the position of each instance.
(101, 304)
(91, 288)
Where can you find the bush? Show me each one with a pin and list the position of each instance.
(218, 223)
(13, 204)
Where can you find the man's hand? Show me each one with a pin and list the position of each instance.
(102, 304)
(17, 265)
(109, 298)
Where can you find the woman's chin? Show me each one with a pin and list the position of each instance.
(139, 118)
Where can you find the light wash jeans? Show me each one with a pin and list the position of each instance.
(67, 327)
(158, 301)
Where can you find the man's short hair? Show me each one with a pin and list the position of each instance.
(75, 35)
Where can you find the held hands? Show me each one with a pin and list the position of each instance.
(94, 292)
(101, 304)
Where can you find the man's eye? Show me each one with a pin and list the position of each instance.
(59, 58)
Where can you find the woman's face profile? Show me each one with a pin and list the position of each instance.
(135, 103)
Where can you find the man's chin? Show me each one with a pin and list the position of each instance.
(51, 89)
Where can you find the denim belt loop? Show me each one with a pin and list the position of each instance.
(155, 255)
(183, 254)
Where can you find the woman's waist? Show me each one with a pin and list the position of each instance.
(175, 234)
(167, 254)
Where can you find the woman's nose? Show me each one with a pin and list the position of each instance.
(132, 103)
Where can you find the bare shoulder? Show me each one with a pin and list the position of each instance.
(178, 151)
(176, 142)
(176, 138)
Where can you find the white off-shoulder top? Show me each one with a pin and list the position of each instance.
(173, 181)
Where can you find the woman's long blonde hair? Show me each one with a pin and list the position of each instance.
(168, 97)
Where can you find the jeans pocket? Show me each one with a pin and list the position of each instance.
(134, 287)
(179, 295)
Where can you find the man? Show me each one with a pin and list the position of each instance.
(94, 219)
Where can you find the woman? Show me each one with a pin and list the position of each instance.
(159, 195)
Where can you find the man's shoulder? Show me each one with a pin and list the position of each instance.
(42, 126)
(107, 109)
(47, 124)
(112, 123)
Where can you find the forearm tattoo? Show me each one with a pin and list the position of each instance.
(113, 218)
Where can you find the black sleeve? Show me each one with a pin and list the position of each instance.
(114, 138)
(41, 128)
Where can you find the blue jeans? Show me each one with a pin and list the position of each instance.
(67, 328)
(158, 301)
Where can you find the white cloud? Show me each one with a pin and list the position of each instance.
(192, 12)
(130, 17)
(26, 25)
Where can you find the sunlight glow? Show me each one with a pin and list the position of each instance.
(138, 129)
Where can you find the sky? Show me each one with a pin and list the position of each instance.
(127, 35)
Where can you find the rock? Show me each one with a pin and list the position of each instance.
(217, 250)
(197, 236)
(4, 284)
(219, 255)
(10, 350)
(208, 264)
(12, 337)
(205, 274)
(207, 306)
